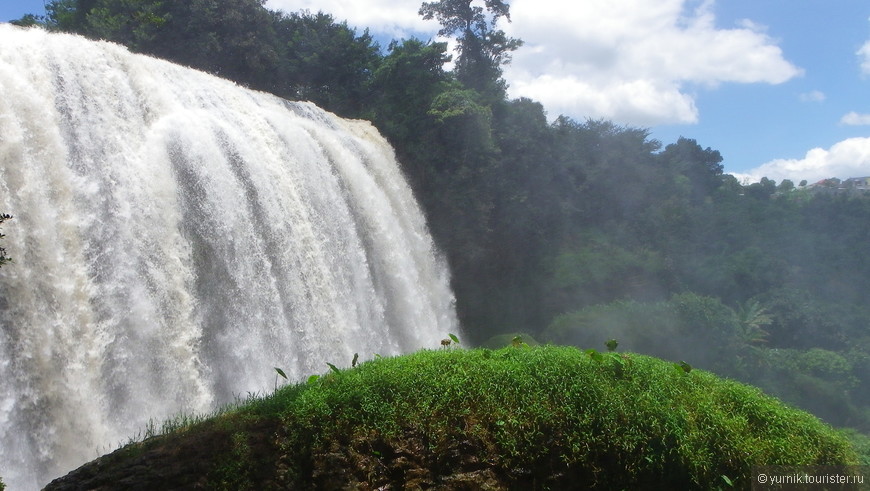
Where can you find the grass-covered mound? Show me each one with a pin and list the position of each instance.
(520, 417)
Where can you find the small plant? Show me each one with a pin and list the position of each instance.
(281, 373)
(683, 367)
(595, 355)
(611, 344)
(450, 339)
(333, 368)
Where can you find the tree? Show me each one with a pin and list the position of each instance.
(3, 257)
(786, 186)
(27, 21)
(327, 62)
(482, 48)
(403, 88)
(702, 166)
(751, 320)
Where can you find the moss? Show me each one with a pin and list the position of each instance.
(537, 418)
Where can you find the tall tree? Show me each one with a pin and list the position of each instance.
(703, 167)
(482, 48)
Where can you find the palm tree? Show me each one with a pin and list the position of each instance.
(751, 319)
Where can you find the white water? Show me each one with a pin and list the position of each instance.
(175, 238)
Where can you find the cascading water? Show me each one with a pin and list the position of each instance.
(177, 236)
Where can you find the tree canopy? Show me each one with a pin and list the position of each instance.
(482, 48)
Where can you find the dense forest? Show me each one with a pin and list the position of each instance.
(572, 232)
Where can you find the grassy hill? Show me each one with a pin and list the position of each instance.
(519, 417)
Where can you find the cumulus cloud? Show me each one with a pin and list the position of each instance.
(855, 119)
(848, 158)
(632, 61)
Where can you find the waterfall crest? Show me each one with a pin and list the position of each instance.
(175, 237)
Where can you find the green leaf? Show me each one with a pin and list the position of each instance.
(313, 379)
(333, 367)
(727, 481)
(281, 373)
(683, 366)
(454, 338)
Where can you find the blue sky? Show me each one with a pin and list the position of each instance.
(780, 87)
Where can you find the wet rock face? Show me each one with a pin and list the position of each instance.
(256, 458)
(404, 463)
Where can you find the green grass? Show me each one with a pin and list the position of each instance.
(541, 417)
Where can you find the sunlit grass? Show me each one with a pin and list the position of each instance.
(536, 414)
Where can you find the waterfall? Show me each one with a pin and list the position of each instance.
(176, 237)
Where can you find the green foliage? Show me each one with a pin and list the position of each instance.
(861, 443)
(507, 339)
(554, 416)
(482, 48)
(683, 367)
(28, 20)
(702, 167)
(751, 320)
(705, 333)
(326, 62)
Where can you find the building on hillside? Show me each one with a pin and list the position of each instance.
(857, 183)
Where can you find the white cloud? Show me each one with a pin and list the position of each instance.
(848, 158)
(812, 96)
(631, 61)
(864, 55)
(855, 119)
